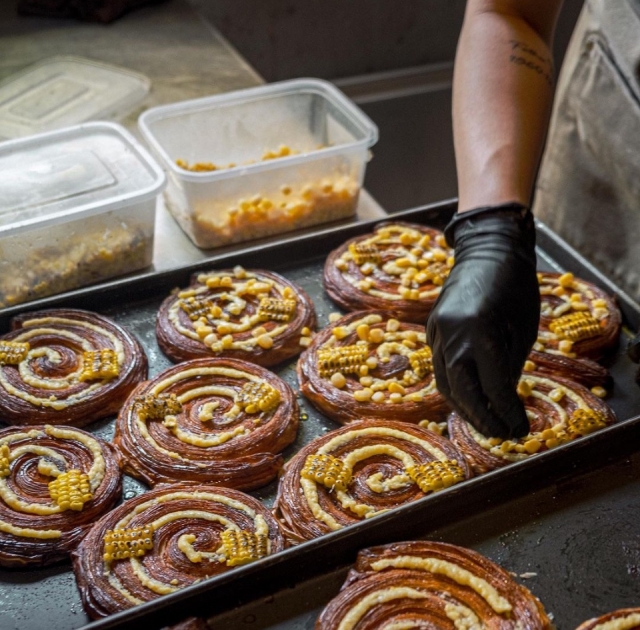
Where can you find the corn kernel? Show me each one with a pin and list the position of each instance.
(334, 317)
(227, 342)
(395, 388)
(376, 335)
(13, 352)
(566, 280)
(579, 306)
(101, 364)
(532, 446)
(552, 443)
(529, 366)
(557, 394)
(265, 341)
(363, 395)
(120, 544)
(558, 291)
(600, 392)
(377, 397)
(436, 475)
(71, 490)
(406, 238)
(599, 303)
(257, 396)
(327, 470)
(363, 331)
(338, 380)
(565, 346)
(339, 332)
(524, 388)
(241, 546)
(395, 398)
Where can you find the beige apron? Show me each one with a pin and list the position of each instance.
(588, 188)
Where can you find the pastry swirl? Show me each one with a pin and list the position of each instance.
(623, 619)
(359, 471)
(66, 366)
(577, 319)
(257, 316)
(55, 482)
(175, 536)
(559, 411)
(399, 268)
(221, 421)
(370, 365)
(430, 585)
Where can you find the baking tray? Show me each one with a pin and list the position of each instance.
(48, 597)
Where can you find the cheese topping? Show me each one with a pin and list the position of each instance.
(453, 572)
(622, 623)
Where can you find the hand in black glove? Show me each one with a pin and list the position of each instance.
(486, 319)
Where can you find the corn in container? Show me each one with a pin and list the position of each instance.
(261, 161)
(77, 206)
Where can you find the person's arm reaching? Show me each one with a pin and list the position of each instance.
(486, 318)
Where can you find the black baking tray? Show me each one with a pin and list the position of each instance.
(48, 597)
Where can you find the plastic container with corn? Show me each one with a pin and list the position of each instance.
(262, 161)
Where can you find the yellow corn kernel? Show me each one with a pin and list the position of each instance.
(395, 397)
(524, 388)
(152, 407)
(345, 359)
(436, 475)
(338, 380)
(579, 306)
(120, 544)
(585, 421)
(363, 395)
(376, 335)
(421, 361)
(363, 331)
(213, 282)
(305, 342)
(227, 342)
(334, 317)
(406, 238)
(5, 463)
(363, 253)
(424, 241)
(441, 240)
(365, 285)
(276, 310)
(507, 446)
(403, 262)
(575, 297)
(529, 366)
(598, 391)
(339, 332)
(439, 255)
(552, 443)
(532, 446)
(395, 388)
(256, 397)
(13, 352)
(100, 364)
(565, 346)
(196, 308)
(378, 397)
(367, 269)
(71, 490)
(242, 546)
(566, 280)
(393, 325)
(226, 281)
(265, 342)
(576, 326)
(557, 394)
(599, 303)
(327, 470)
(558, 291)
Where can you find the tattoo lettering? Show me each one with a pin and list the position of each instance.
(523, 55)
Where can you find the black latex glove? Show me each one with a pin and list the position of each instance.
(486, 319)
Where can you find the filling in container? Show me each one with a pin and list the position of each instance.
(76, 206)
(261, 161)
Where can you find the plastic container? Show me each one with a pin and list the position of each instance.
(287, 155)
(76, 206)
(64, 91)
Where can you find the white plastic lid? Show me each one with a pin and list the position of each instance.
(64, 91)
(74, 172)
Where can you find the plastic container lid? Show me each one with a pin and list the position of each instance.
(64, 91)
(72, 173)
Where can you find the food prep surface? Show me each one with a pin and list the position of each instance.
(561, 513)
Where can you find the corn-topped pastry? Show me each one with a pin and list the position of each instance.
(221, 421)
(166, 539)
(559, 411)
(423, 584)
(400, 268)
(55, 482)
(66, 366)
(361, 470)
(368, 364)
(623, 619)
(256, 316)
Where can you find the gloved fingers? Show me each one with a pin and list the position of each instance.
(468, 397)
(440, 369)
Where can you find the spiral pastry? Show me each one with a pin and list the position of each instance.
(169, 538)
(362, 470)
(577, 319)
(256, 316)
(624, 619)
(398, 268)
(559, 411)
(66, 366)
(370, 365)
(431, 585)
(54, 483)
(219, 421)
(579, 369)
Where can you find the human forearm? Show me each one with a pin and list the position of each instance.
(503, 87)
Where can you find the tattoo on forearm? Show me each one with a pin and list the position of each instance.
(523, 55)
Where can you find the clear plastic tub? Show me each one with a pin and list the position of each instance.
(76, 206)
(287, 155)
(63, 91)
